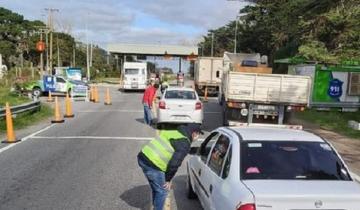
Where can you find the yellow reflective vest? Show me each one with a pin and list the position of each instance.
(159, 150)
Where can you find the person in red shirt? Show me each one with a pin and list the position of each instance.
(148, 98)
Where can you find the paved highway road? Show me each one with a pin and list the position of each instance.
(88, 162)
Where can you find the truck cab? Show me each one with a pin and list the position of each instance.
(135, 76)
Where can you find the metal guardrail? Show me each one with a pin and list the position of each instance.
(21, 108)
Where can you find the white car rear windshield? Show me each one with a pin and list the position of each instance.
(290, 160)
(180, 94)
(132, 71)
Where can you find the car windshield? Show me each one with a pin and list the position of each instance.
(180, 94)
(132, 71)
(290, 160)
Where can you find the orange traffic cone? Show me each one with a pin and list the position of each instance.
(9, 126)
(107, 97)
(50, 98)
(206, 94)
(96, 95)
(68, 107)
(92, 93)
(57, 115)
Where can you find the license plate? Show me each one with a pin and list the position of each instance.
(180, 118)
(264, 107)
(134, 85)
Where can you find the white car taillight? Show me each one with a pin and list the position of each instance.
(198, 106)
(247, 207)
(162, 105)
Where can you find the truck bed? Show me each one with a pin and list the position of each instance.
(266, 88)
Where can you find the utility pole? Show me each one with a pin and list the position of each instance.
(91, 54)
(58, 51)
(51, 28)
(212, 45)
(235, 40)
(74, 55)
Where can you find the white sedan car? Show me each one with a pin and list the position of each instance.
(262, 168)
(180, 105)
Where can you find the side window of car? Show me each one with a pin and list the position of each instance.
(226, 167)
(218, 154)
(207, 145)
(61, 80)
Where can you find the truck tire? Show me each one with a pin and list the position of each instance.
(190, 191)
(36, 92)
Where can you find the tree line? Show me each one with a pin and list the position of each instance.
(18, 38)
(315, 30)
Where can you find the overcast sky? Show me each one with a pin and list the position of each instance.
(131, 21)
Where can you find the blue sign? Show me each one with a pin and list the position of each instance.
(335, 88)
(49, 83)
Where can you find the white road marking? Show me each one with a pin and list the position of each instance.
(25, 138)
(95, 137)
(113, 110)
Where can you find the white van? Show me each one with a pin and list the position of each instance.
(135, 76)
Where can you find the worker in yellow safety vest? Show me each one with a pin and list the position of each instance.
(162, 156)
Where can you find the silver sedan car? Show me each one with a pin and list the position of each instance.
(264, 168)
(180, 105)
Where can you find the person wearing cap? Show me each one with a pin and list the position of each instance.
(162, 156)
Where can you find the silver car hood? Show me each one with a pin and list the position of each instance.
(305, 194)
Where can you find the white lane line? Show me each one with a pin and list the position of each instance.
(355, 176)
(95, 137)
(119, 110)
(25, 138)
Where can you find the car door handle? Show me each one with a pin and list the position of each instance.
(199, 172)
(211, 188)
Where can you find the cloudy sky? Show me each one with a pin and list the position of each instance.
(132, 21)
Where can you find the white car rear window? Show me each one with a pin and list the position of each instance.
(132, 71)
(180, 94)
(291, 160)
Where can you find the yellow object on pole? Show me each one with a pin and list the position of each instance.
(107, 97)
(50, 98)
(57, 116)
(9, 126)
(68, 107)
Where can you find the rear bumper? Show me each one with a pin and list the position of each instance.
(166, 116)
(131, 87)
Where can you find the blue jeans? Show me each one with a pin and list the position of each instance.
(156, 180)
(147, 114)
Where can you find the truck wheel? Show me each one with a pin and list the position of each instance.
(190, 191)
(36, 92)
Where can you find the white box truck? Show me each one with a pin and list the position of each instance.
(208, 72)
(134, 76)
(246, 96)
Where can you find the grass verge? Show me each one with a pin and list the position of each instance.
(332, 120)
(12, 97)
(28, 118)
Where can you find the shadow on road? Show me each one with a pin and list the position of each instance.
(138, 197)
(181, 200)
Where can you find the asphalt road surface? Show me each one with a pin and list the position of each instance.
(89, 162)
